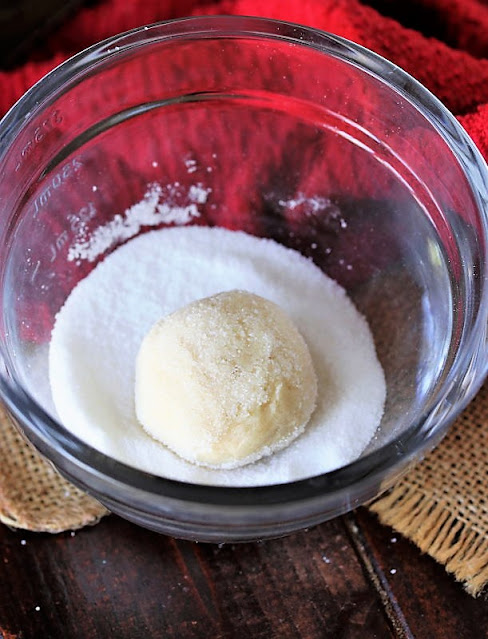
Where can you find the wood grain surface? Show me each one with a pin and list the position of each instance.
(347, 578)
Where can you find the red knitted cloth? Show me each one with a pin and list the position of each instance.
(440, 42)
(443, 43)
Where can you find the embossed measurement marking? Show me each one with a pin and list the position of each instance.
(58, 244)
(77, 226)
(68, 169)
(77, 223)
(78, 220)
(39, 134)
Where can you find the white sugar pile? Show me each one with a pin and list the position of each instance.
(99, 329)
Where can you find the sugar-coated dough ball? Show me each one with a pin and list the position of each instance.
(225, 380)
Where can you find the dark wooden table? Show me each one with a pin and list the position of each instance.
(348, 578)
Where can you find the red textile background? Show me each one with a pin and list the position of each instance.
(443, 43)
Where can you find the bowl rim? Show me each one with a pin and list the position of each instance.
(50, 436)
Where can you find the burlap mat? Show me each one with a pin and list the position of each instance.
(441, 505)
(33, 495)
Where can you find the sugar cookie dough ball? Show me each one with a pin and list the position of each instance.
(225, 380)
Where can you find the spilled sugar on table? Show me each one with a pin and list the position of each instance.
(347, 578)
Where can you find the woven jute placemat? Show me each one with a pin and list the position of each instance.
(33, 495)
(441, 505)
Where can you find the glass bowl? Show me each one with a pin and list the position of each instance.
(299, 136)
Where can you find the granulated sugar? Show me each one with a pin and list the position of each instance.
(99, 329)
(171, 204)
